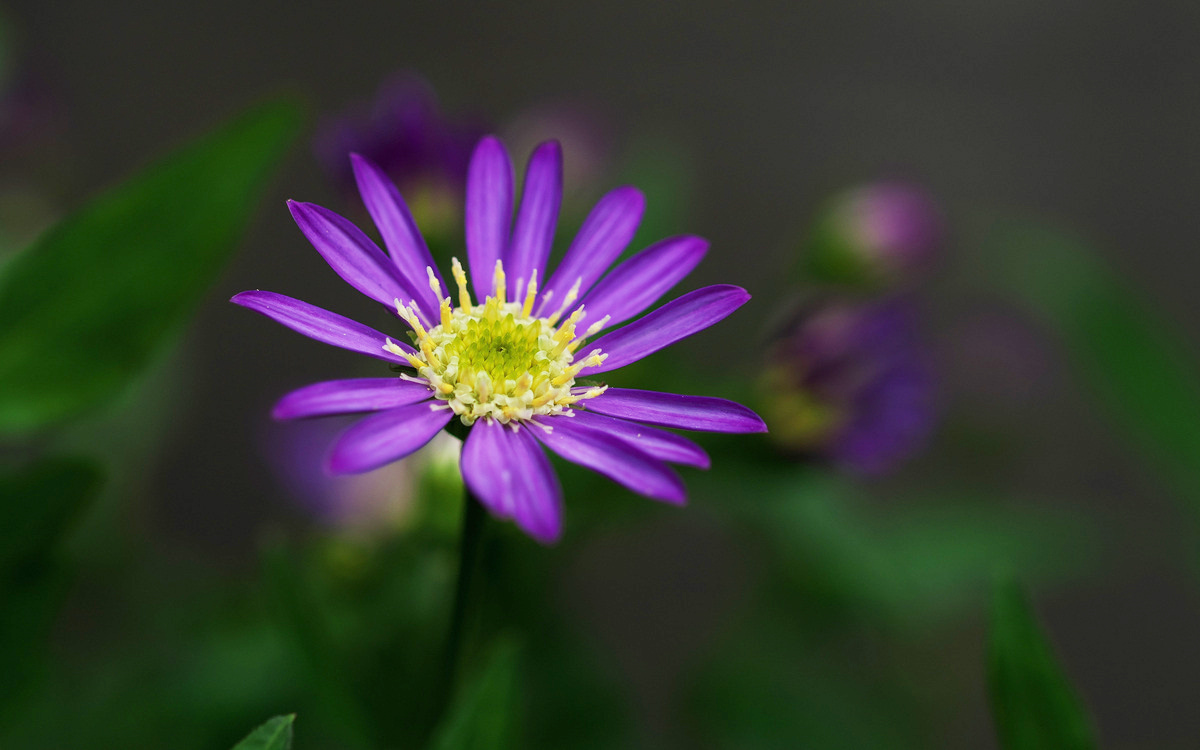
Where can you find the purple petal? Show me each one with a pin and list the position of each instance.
(319, 324)
(640, 281)
(611, 456)
(353, 255)
(400, 234)
(489, 211)
(604, 235)
(350, 396)
(675, 320)
(385, 437)
(533, 232)
(702, 413)
(511, 476)
(663, 445)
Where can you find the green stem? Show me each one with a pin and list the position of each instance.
(473, 518)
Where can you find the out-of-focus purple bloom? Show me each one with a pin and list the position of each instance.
(585, 134)
(504, 361)
(33, 157)
(370, 503)
(879, 234)
(851, 382)
(406, 134)
(32, 113)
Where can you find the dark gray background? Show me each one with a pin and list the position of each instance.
(1082, 111)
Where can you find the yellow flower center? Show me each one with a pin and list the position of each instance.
(497, 359)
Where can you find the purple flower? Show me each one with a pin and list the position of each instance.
(886, 232)
(851, 382)
(587, 139)
(369, 503)
(505, 360)
(405, 134)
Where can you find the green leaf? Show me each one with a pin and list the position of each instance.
(1033, 703)
(304, 622)
(37, 507)
(87, 307)
(482, 718)
(1145, 374)
(38, 504)
(912, 564)
(276, 734)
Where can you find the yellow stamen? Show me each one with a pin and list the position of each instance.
(498, 289)
(594, 359)
(427, 350)
(460, 278)
(596, 327)
(572, 295)
(411, 318)
(434, 284)
(495, 359)
(530, 294)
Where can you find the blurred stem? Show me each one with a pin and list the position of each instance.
(473, 518)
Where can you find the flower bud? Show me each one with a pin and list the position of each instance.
(882, 234)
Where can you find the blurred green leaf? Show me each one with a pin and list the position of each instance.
(768, 688)
(304, 622)
(1139, 365)
(276, 734)
(1034, 705)
(90, 303)
(913, 562)
(37, 506)
(482, 717)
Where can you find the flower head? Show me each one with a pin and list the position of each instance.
(851, 382)
(881, 233)
(504, 352)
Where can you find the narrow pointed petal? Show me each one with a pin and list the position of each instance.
(489, 211)
(386, 437)
(533, 232)
(320, 324)
(403, 240)
(678, 319)
(510, 474)
(349, 397)
(613, 457)
(605, 234)
(640, 281)
(703, 413)
(354, 256)
(663, 445)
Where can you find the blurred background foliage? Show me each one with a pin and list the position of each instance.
(174, 569)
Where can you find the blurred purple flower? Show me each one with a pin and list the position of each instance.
(882, 233)
(370, 503)
(406, 134)
(851, 382)
(505, 363)
(585, 134)
(33, 157)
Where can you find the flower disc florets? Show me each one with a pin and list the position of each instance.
(497, 359)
